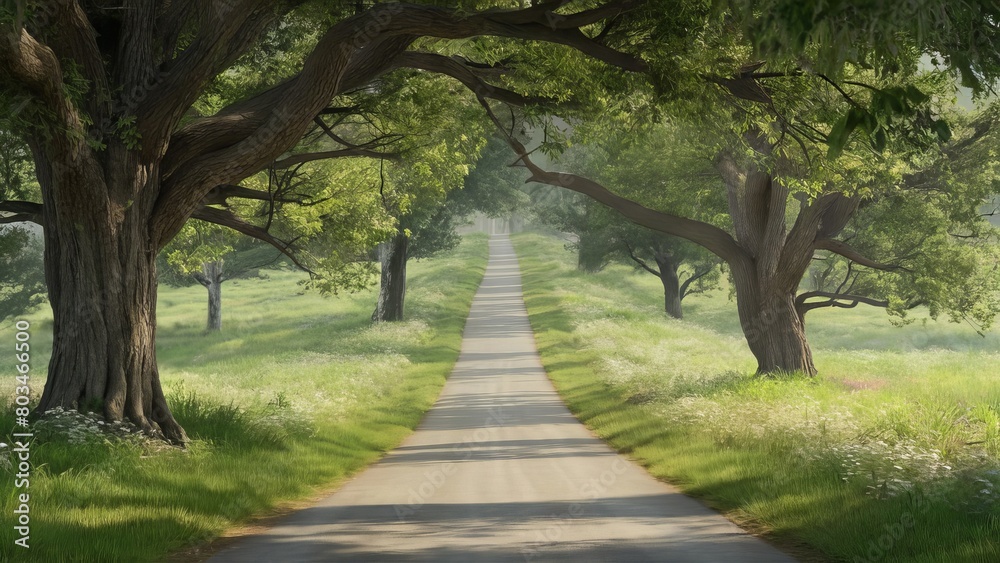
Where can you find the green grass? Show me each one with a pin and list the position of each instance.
(891, 454)
(297, 393)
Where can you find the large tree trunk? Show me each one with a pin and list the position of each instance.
(766, 284)
(392, 289)
(772, 326)
(100, 266)
(211, 277)
(671, 285)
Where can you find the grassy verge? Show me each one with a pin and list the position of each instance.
(890, 455)
(294, 395)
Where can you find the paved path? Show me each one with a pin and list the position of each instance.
(499, 470)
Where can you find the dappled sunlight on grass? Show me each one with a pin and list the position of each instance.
(903, 422)
(296, 393)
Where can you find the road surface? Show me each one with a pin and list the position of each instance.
(499, 470)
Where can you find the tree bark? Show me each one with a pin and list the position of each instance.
(392, 289)
(773, 328)
(667, 268)
(766, 286)
(211, 276)
(100, 267)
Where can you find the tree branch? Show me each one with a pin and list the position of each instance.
(73, 38)
(836, 298)
(201, 278)
(226, 218)
(458, 69)
(33, 66)
(341, 153)
(221, 194)
(227, 30)
(698, 274)
(847, 251)
(364, 45)
(642, 263)
(712, 238)
(22, 211)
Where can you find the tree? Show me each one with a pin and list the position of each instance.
(332, 220)
(105, 100)
(881, 133)
(429, 226)
(777, 230)
(945, 256)
(443, 131)
(683, 268)
(211, 255)
(669, 163)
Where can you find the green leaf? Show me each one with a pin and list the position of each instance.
(837, 138)
(942, 129)
(841, 132)
(879, 140)
(915, 95)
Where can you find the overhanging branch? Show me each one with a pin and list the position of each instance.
(21, 211)
(697, 275)
(710, 237)
(324, 155)
(458, 69)
(847, 251)
(349, 54)
(642, 263)
(837, 300)
(227, 218)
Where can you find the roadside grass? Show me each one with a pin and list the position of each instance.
(891, 454)
(297, 393)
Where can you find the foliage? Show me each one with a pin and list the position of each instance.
(930, 225)
(440, 134)
(22, 276)
(879, 34)
(888, 137)
(492, 187)
(22, 279)
(665, 167)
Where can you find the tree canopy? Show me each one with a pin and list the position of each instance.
(809, 143)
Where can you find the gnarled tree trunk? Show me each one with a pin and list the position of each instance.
(766, 285)
(771, 324)
(392, 288)
(100, 267)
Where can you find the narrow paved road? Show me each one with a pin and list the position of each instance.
(500, 470)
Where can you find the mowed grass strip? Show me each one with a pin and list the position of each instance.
(891, 454)
(297, 393)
